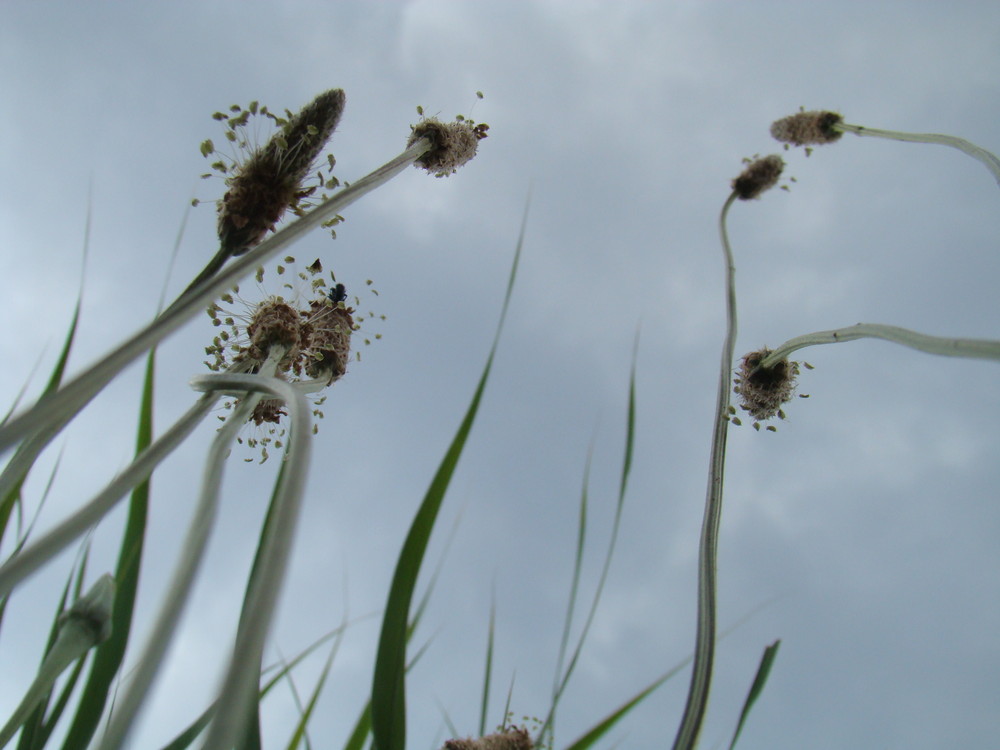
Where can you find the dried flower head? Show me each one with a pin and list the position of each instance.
(263, 182)
(759, 175)
(807, 128)
(312, 337)
(762, 391)
(452, 144)
(514, 738)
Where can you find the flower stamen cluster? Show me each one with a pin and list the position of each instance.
(312, 339)
(263, 182)
(762, 391)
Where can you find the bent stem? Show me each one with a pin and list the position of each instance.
(704, 650)
(978, 153)
(967, 348)
(251, 388)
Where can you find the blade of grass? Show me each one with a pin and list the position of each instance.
(109, 655)
(35, 721)
(488, 671)
(759, 680)
(388, 701)
(547, 726)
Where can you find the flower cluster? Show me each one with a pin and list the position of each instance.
(759, 175)
(262, 182)
(807, 128)
(513, 738)
(306, 342)
(452, 143)
(763, 390)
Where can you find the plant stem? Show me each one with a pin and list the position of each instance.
(704, 651)
(968, 348)
(981, 155)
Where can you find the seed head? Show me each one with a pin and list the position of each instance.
(515, 738)
(453, 144)
(763, 391)
(758, 176)
(330, 327)
(274, 324)
(271, 179)
(807, 128)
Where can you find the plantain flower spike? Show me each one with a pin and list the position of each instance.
(271, 180)
(762, 391)
(758, 176)
(515, 738)
(452, 144)
(808, 128)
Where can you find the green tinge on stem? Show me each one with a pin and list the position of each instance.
(69, 400)
(947, 347)
(708, 551)
(978, 153)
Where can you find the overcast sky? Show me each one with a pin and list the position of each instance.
(867, 524)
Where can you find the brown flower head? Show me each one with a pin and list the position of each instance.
(452, 144)
(807, 128)
(514, 738)
(314, 336)
(758, 176)
(762, 391)
(271, 179)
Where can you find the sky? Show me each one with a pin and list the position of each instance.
(862, 533)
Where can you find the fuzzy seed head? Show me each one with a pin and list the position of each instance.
(453, 144)
(271, 179)
(807, 128)
(763, 391)
(758, 176)
(274, 324)
(330, 328)
(515, 738)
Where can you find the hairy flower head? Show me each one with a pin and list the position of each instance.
(762, 391)
(263, 182)
(452, 144)
(308, 341)
(514, 738)
(758, 176)
(807, 128)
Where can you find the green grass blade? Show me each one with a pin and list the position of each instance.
(609, 555)
(24, 458)
(488, 671)
(109, 655)
(34, 722)
(300, 729)
(604, 726)
(759, 680)
(388, 702)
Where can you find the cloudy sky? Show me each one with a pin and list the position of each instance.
(862, 533)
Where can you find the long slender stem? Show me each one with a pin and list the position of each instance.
(199, 530)
(704, 650)
(978, 153)
(968, 348)
(28, 560)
